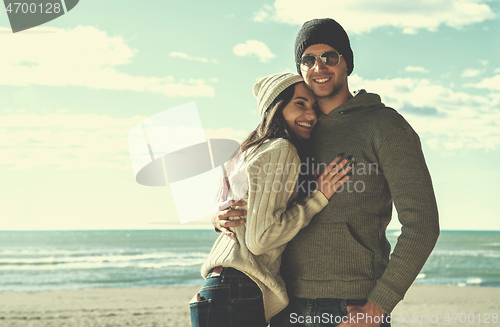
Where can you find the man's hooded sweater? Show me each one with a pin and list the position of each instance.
(344, 253)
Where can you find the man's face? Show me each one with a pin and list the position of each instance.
(325, 81)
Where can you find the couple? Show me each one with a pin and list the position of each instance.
(337, 267)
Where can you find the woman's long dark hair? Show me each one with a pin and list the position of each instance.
(272, 125)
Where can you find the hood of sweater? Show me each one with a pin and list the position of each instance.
(361, 102)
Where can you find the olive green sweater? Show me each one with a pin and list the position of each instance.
(344, 252)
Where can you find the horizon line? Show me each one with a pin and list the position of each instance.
(200, 228)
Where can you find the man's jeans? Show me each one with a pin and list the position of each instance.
(230, 299)
(316, 313)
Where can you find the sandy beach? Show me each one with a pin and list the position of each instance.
(167, 306)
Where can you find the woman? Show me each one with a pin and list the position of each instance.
(243, 286)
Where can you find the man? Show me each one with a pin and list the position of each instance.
(338, 269)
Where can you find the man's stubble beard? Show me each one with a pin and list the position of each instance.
(334, 92)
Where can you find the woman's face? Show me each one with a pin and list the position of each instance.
(299, 113)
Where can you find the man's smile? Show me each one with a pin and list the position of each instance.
(322, 80)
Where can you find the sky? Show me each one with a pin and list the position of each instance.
(72, 89)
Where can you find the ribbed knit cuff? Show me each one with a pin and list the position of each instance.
(384, 298)
(319, 197)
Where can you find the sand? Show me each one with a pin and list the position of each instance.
(434, 303)
(151, 306)
(167, 306)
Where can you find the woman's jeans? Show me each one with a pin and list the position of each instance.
(227, 300)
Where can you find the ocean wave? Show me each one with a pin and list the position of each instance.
(171, 264)
(104, 261)
(468, 253)
(68, 266)
(99, 258)
(36, 252)
(474, 281)
(101, 265)
(492, 244)
(421, 276)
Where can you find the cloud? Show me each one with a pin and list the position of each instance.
(253, 47)
(84, 57)
(416, 69)
(65, 141)
(490, 83)
(73, 142)
(193, 87)
(470, 72)
(361, 16)
(410, 30)
(188, 57)
(263, 14)
(227, 133)
(445, 119)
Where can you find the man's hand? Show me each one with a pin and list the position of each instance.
(221, 219)
(357, 316)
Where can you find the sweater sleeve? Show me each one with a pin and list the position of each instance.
(403, 164)
(272, 180)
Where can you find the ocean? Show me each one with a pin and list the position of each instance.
(53, 260)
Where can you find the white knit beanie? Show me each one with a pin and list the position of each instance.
(268, 88)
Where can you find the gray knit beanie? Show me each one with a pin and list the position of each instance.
(268, 88)
(324, 31)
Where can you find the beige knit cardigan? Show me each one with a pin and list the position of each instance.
(272, 220)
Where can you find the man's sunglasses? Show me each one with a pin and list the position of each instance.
(330, 58)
